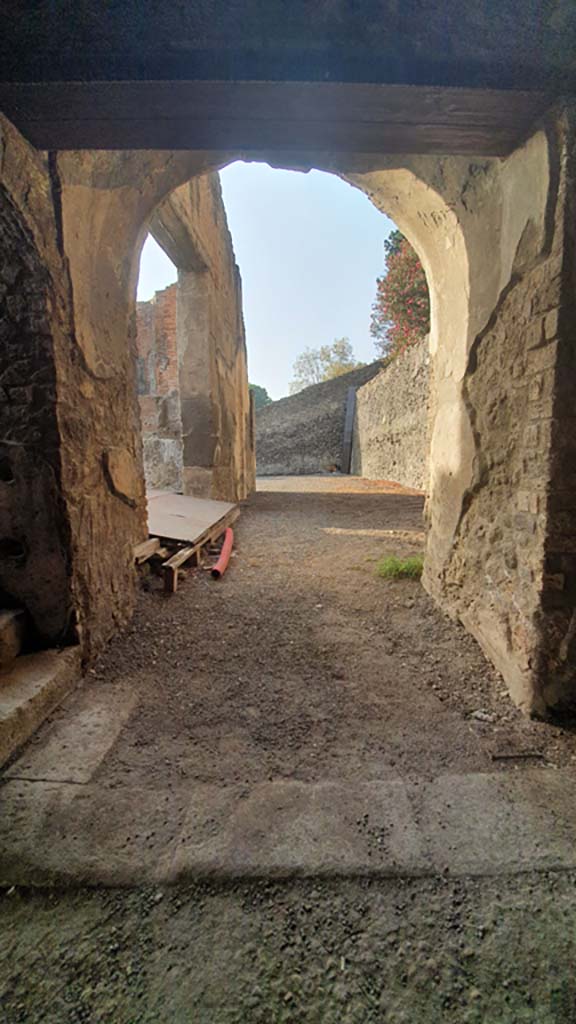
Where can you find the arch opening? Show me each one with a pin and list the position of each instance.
(482, 230)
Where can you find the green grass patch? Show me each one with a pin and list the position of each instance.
(392, 568)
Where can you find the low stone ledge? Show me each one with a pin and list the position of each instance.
(31, 690)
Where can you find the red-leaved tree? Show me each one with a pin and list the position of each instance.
(401, 310)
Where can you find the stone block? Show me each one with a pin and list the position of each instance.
(535, 333)
(535, 389)
(123, 475)
(523, 501)
(551, 324)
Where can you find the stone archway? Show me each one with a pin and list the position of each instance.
(484, 232)
(490, 234)
(209, 365)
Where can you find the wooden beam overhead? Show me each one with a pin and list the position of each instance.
(253, 116)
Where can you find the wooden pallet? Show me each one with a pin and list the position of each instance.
(145, 550)
(180, 528)
(172, 565)
(181, 517)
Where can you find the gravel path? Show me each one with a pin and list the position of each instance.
(302, 663)
(498, 951)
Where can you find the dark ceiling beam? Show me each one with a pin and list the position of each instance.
(251, 116)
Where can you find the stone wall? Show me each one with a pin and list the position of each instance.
(214, 431)
(496, 239)
(304, 432)
(34, 555)
(79, 485)
(158, 390)
(391, 436)
(512, 574)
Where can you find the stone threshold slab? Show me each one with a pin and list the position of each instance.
(478, 824)
(75, 743)
(31, 690)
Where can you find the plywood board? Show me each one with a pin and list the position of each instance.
(181, 517)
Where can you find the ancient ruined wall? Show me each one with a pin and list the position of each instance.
(159, 390)
(75, 504)
(391, 422)
(553, 390)
(495, 576)
(218, 454)
(34, 539)
(76, 476)
(491, 235)
(304, 432)
(520, 524)
(494, 237)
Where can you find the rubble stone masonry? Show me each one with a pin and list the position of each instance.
(158, 389)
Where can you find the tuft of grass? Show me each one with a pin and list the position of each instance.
(393, 568)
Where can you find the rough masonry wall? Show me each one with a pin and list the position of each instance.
(159, 390)
(495, 576)
(391, 423)
(494, 237)
(217, 438)
(34, 550)
(556, 390)
(304, 432)
(80, 472)
(519, 521)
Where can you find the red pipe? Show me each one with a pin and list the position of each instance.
(222, 563)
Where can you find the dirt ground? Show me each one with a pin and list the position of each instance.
(303, 663)
(483, 951)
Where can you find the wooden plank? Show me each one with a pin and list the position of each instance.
(143, 551)
(348, 117)
(180, 557)
(170, 579)
(283, 136)
(269, 101)
(170, 568)
(183, 518)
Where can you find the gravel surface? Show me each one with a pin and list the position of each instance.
(302, 663)
(492, 951)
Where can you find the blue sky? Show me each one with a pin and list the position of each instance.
(309, 248)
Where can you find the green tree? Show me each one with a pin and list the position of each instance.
(315, 365)
(261, 396)
(401, 309)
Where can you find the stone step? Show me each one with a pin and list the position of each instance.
(30, 690)
(477, 824)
